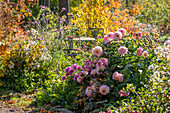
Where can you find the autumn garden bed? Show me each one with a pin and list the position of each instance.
(125, 70)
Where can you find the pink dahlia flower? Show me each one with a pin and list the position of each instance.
(117, 76)
(123, 50)
(89, 91)
(127, 94)
(75, 77)
(71, 71)
(85, 72)
(80, 73)
(123, 31)
(120, 78)
(100, 66)
(97, 51)
(95, 61)
(104, 61)
(67, 73)
(139, 51)
(139, 35)
(79, 67)
(64, 77)
(67, 69)
(104, 89)
(121, 93)
(105, 38)
(145, 54)
(74, 66)
(88, 64)
(108, 41)
(79, 79)
(108, 109)
(110, 35)
(117, 36)
(93, 71)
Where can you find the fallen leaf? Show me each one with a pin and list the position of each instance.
(10, 102)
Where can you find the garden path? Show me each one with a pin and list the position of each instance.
(21, 103)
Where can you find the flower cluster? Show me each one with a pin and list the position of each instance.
(101, 75)
(158, 74)
(117, 76)
(140, 52)
(164, 52)
(31, 53)
(114, 36)
(90, 69)
(104, 89)
(122, 93)
(123, 50)
(70, 71)
(34, 32)
(97, 51)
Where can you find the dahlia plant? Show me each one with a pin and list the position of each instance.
(116, 62)
(154, 96)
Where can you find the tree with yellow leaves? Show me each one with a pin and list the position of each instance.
(102, 14)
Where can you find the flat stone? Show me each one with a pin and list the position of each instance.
(64, 110)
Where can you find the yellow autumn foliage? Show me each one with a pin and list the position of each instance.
(99, 14)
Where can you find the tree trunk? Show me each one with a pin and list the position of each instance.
(64, 4)
(127, 3)
(44, 3)
(47, 3)
(134, 1)
(41, 2)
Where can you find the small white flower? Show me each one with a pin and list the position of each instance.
(34, 67)
(167, 73)
(167, 43)
(12, 65)
(156, 67)
(157, 73)
(140, 71)
(165, 49)
(158, 50)
(164, 55)
(159, 80)
(163, 72)
(169, 81)
(151, 67)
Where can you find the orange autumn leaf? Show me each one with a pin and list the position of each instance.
(10, 102)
